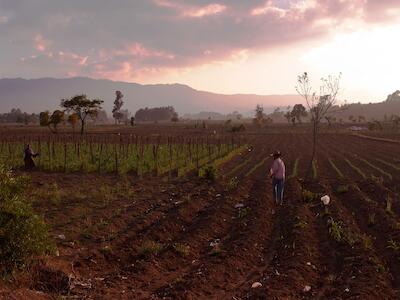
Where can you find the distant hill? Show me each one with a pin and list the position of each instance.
(36, 95)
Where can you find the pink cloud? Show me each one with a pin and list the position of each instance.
(192, 11)
(212, 9)
(40, 43)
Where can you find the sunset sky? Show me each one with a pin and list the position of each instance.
(224, 46)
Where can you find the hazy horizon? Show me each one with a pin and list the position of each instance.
(227, 47)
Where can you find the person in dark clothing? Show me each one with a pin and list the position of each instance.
(29, 155)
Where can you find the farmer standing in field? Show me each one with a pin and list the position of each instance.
(277, 174)
(28, 157)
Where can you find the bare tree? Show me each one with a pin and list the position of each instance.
(320, 105)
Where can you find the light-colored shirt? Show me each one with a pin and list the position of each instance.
(278, 169)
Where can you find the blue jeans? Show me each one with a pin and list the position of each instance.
(278, 186)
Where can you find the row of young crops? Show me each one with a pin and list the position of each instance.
(121, 154)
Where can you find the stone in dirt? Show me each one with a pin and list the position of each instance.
(256, 285)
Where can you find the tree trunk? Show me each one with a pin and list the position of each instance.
(82, 127)
(314, 149)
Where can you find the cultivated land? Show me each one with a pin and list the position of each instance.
(166, 237)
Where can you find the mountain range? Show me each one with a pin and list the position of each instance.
(35, 95)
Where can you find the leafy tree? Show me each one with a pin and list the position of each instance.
(259, 117)
(73, 119)
(118, 103)
(82, 107)
(44, 118)
(156, 114)
(55, 119)
(288, 116)
(298, 112)
(175, 118)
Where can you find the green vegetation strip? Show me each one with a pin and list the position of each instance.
(388, 175)
(295, 169)
(238, 167)
(256, 167)
(388, 164)
(315, 169)
(218, 162)
(338, 172)
(358, 170)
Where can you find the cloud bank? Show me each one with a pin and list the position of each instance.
(132, 40)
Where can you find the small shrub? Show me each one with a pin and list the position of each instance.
(150, 248)
(309, 196)
(244, 212)
(336, 230)
(366, 241)
(23, 235)
(182, 250)
(393, 245)
(389, 205)
(210, 173)
(300, 223)
(233, 184)
(371, 219)
(338, 233)
(342, 189)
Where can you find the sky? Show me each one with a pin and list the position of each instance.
(224, 46)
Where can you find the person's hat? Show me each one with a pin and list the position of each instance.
(276, 153)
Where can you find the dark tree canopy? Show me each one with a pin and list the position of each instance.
(82, 107)
(157, 114)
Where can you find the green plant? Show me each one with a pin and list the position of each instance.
(336, 230)
(342, 189)
(23, 235)
(393, 245)
(150, 248)
(366, 241)
(338, 233)
(309, 196)
(315, 169)
(244, 212)
(389, 205)
(209, 172)
(181, 249)
(233, 183)
(371, 219)
(300, 223)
